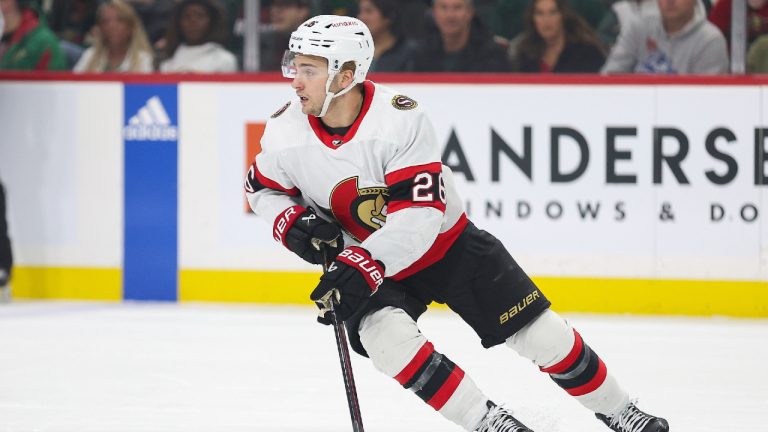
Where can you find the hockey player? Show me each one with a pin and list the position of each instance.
(6, 257)
(356, 166)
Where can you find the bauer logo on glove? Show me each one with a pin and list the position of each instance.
(355, 275)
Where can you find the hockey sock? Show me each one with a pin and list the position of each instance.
(398, 349)
(561, 352)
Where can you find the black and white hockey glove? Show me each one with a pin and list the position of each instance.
(302, 231)
(349, 282)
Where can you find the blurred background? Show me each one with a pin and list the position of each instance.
(617, 147)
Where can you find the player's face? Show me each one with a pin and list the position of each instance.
(309, 83)
(547, 19)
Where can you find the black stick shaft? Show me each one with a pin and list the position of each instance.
(346, 364)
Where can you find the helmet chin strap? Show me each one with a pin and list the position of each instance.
(329, 95)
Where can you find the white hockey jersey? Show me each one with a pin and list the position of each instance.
(382, 181)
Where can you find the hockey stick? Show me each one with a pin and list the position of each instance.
(346, 364)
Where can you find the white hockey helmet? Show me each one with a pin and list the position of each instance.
(338, 39)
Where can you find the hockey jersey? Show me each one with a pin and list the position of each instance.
(382, 182)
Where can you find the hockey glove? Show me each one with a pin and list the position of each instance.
(348, 282)
(302, 231)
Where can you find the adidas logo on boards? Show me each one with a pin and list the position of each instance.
(151, 123)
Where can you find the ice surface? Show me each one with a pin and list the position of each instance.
(138, 367)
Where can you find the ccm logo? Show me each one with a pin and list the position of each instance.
(281, 224)
(368, 266)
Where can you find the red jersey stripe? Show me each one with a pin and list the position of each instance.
(394, 206)
(264, 180)
(408, 173)
(437, 251)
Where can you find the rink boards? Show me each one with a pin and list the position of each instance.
(617, 197)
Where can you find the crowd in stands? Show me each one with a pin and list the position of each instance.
(524, 36)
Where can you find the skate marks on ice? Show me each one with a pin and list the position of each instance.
(154, 367)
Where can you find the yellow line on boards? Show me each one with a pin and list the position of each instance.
(74, 283)
(591, 295)
(596, 295)
(247, 287)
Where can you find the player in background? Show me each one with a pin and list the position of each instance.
(356, 166)
(6, 255)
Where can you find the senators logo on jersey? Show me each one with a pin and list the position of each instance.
(360, 211)
(404, 103)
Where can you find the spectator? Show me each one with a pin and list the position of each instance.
(393, 51)
(195, 39)
(458, 42)
(155, 17)
(285, 16)
(6, 257)
(620, 14)
(509, 15)
(757, 18)
(623, 11)
(70, 21)
(556, 39)
(120, 43)
(338, 7)
(679, 40)
(27, 43)
(757, 56)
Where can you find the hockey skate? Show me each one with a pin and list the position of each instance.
(499, 419)
(631, 419)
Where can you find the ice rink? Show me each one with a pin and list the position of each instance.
(130, 367)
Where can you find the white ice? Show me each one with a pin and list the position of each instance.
(109, 367)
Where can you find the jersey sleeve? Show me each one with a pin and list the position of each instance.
(416, 206)
(268, 188)
(414, 174)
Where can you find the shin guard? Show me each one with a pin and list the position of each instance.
(559, 351)
(398, 349)
(581, 371)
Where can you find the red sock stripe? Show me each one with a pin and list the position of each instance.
(568, 361)
(593, 384)
(418, 360)
(447, 389)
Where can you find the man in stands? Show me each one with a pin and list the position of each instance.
(679, 40)
(459, 42)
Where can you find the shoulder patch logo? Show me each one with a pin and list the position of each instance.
(404, 103)
(280, 111)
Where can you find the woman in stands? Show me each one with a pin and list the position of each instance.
(120, 43)
(195, 39)
(557, 40)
